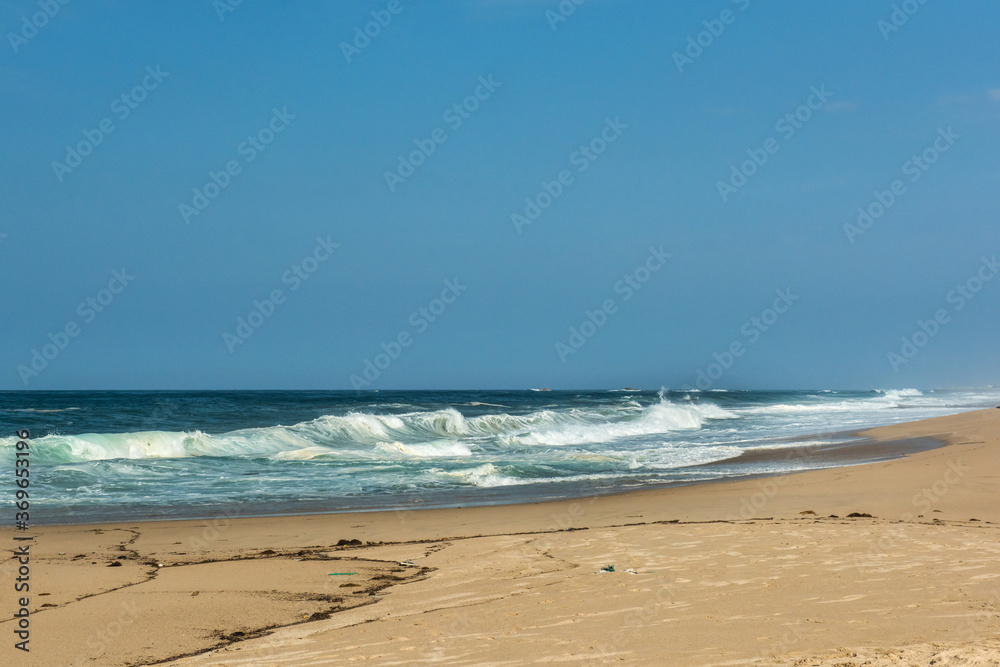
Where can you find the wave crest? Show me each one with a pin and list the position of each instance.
(366, 435)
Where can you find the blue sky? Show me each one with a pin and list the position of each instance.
(616, 110)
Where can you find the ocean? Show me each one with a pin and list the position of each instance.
(108, 456)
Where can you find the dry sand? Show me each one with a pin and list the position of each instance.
(749, 572)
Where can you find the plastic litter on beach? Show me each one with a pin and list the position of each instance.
(407, 562)
(340, 574)
(611, 569)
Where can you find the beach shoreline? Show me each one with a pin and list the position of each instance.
(818, 452)
(122, 456)
(773, 562)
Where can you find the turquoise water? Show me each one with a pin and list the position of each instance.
(116, 456)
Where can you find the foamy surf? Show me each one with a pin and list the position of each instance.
(291, 451)
(418, 434)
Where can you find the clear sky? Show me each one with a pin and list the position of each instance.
(687, 167)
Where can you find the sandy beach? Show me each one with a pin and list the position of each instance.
(765, 571)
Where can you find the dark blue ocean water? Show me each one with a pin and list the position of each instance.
(117, 456)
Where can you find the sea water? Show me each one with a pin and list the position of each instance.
(118, 456)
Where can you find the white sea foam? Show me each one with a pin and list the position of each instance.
(485, 476)
(897, 393)
(676, 457)
(886, 399)
(662, 417)
(304, 454)
(417, 434)
(433, 449)
(489, 476)
(596, 430)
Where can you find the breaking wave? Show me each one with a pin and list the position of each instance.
(437, 433)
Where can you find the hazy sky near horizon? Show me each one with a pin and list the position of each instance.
(494, 194)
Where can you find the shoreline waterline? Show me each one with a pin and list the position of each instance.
(856, 451)
(126, 456)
